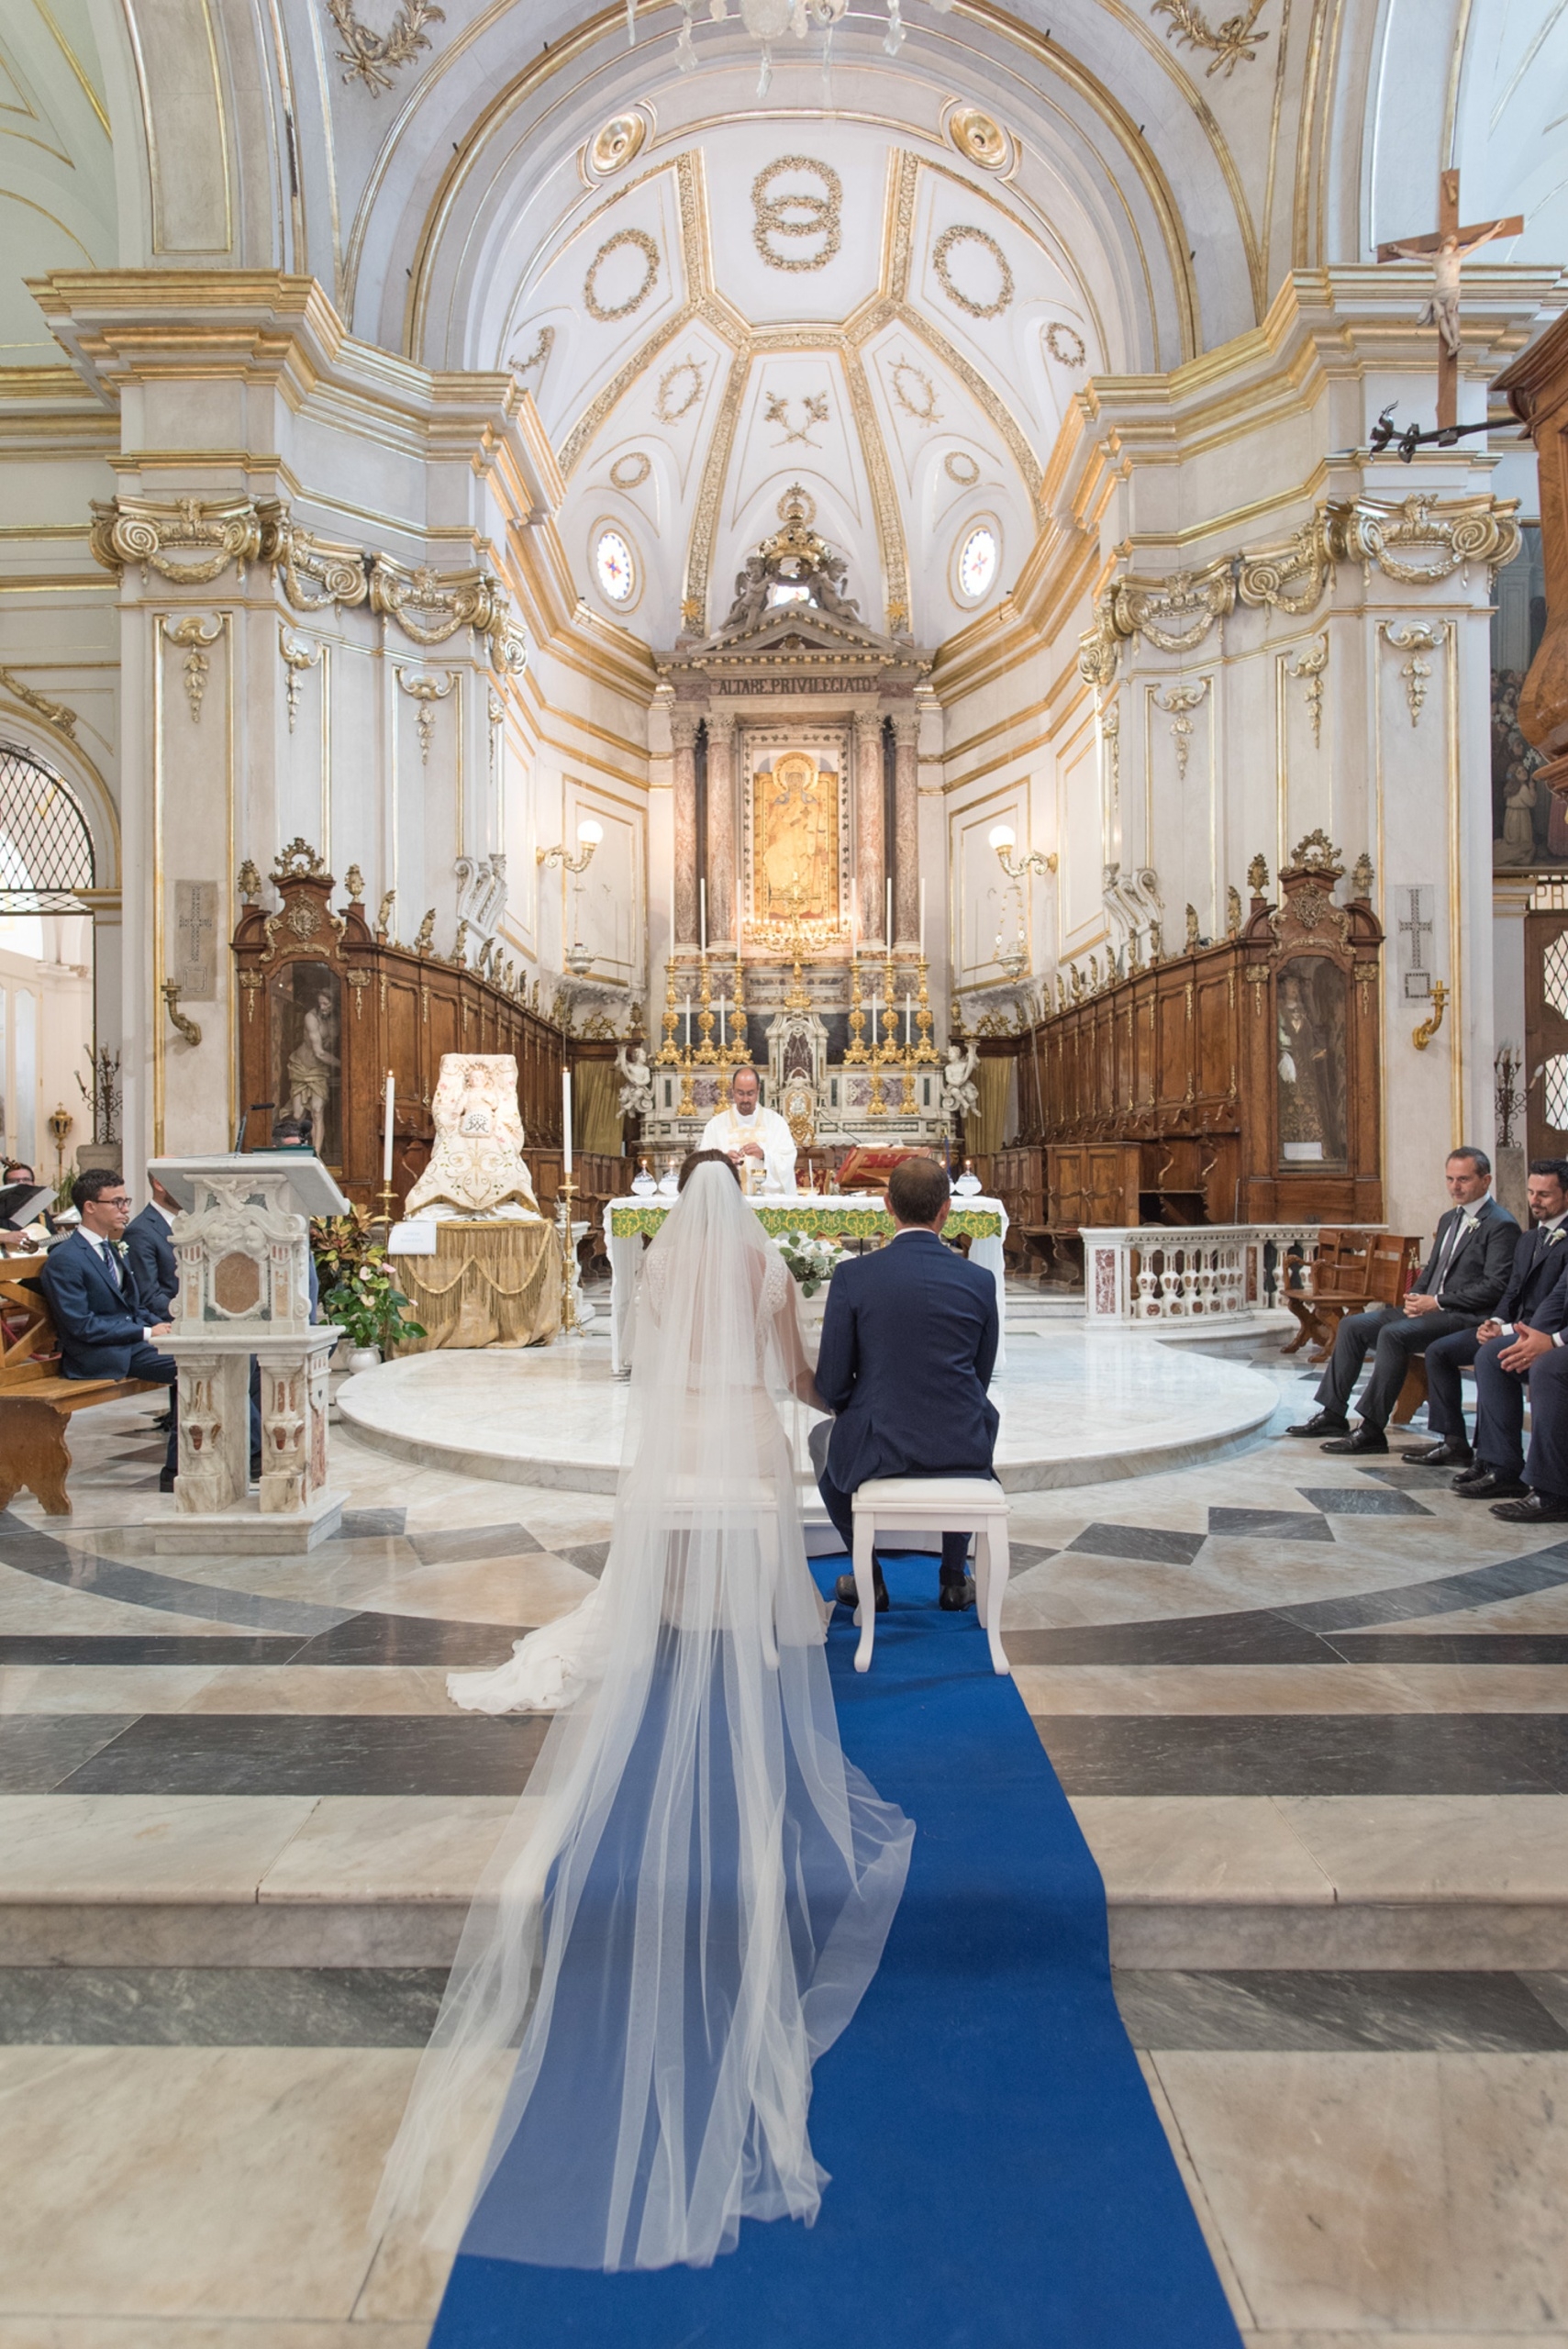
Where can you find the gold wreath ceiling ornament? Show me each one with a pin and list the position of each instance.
(631, 468)
(679, 388)
(798, 212)
(1065, 344)
(961, 467)
(978, 138)
(369, 54)
(965, 233)
(617, 143)
(635, 240)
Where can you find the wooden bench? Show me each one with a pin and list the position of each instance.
(1352, 1274)
(35, 1400)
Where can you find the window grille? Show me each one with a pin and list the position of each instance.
(46, 850)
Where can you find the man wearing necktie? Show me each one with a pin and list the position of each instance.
(1535, 1299)
(1459, 1285)
(106, 1330)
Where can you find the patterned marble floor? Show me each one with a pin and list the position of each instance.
(1310, 1717)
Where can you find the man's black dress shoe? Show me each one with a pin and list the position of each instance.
(1446, 1455)
(1321, 1423)
(1540, 1509)
(1491, 1485)
(165, 1482)
(954, 1597)
(847, 1595)
(164, 1422)
(1363, 1439)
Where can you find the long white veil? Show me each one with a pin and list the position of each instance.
(697, 1887)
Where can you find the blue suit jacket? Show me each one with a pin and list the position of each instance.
(152, 1253)
(1536, 1293)
(99, 1329)
(908, 1345)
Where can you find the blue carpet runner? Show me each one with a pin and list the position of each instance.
(999, 2177)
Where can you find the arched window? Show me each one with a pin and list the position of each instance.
(46, 850)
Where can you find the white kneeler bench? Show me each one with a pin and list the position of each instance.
(938, 1505)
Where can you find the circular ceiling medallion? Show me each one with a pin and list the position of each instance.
(961, 467)
(618, 141)
(978, 138)
(1065, 344)
(942, 252)
(631, 468)
(639, 242)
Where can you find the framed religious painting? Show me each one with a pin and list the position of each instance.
(1310, 1004)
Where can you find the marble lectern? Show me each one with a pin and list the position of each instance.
(242, 1241)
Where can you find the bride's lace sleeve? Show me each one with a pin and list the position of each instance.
(776, 1280)
(655, 1271)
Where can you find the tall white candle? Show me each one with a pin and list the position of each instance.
(386, 1139)
(890, 917)
(566, 1114)
(922, 922)
(702, 913)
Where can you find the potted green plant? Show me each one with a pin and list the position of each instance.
(358, 1289)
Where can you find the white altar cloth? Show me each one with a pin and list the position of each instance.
(627, 1221)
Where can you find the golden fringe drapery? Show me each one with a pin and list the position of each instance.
(987, 1132)
(596, 1110)
(487, 1285)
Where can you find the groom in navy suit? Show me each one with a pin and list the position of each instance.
(106, 1328)
(908, 1345)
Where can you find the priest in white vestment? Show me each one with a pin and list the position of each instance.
(758, 1141)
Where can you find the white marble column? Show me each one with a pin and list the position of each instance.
(721, 862)
(907, 830)
(870, 854)
(684, 735)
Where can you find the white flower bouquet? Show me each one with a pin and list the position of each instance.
(810, 1257)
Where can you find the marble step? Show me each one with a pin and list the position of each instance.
(1417, 1882)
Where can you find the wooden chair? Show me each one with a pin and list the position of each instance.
(35, 1400)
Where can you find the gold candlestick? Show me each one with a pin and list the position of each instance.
(925, 1050)
(888, 1049)
(908, 1105)
(739, 1051)
(668, 1056)
(855, 1051)
(563, 1197)
(706, 1054)
(686, 1106)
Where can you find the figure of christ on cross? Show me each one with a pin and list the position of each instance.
(1446, 250)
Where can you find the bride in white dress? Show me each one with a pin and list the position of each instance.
(697, 1887)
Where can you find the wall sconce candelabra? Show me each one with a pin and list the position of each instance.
(1002, 837)
(589, 835)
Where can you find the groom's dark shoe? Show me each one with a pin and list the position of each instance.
(845, 1592)
(954, 1597)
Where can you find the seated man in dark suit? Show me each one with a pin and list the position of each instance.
(1540, 1262)
(106, 1330)
(908, 1345)
(1458, 1286)
(151, 1248)
(1513, 1355)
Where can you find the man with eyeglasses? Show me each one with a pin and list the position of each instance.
(106, 1328)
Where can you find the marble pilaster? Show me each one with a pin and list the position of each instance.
(684, 735)
(906, 836)
(720, 859)
(870, 842)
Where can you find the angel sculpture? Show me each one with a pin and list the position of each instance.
(961, 1095)
(636, 1080)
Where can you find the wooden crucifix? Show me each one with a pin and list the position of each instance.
(1446, 250)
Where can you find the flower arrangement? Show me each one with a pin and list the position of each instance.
(811, 1258)
(357, 1287)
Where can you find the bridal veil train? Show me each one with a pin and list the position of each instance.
(695, 1888)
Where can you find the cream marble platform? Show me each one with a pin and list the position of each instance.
(1077, 1409)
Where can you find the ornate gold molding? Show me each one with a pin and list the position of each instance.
(1177, 613)
(431, 606)
(314, 573)
(1290, 577)
(189, 541)
(53, 713)
(1422, 539)
(1234, 42)
(368, 54)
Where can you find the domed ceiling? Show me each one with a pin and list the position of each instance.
(813, 301)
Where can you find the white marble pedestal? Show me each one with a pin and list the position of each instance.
(242, 1241)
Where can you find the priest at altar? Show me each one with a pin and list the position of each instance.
(758, 1139)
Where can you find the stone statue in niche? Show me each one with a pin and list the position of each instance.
(961, 1095)
(1310, 997)
(636, 1080)
(308, 1025)
(476, 1169)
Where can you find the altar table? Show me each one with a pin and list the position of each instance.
(629, 1221)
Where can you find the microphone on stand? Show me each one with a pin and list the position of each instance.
(239, 1137)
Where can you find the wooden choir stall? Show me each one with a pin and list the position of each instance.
(1235, 1083)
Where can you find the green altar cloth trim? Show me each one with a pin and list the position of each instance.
(628, 1217)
